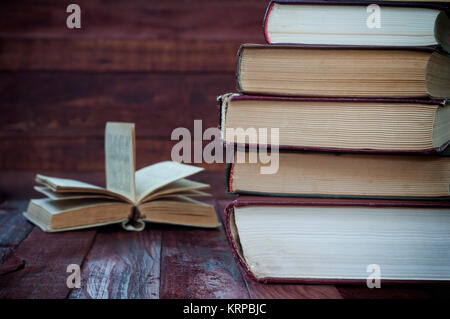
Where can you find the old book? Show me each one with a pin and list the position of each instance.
(343, 71)
(345, 124)
(311, 240)
(320, 174)
(159, 193)
(401, 23)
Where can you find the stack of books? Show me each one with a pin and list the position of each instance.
(359, 95)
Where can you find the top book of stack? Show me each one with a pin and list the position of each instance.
(400, 23)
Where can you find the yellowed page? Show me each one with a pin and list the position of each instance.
(180, 186)
(189, 193)
(64, 185)
(120, 159)
(153, 177)
(61, 184)
(47, 191)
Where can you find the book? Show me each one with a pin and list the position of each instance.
(324, 174)
(343, 71)
(339, 124)
(159, 193)
(330, 241)
(406, 23)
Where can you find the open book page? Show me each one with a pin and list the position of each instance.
(47, 191)
(180, 186)
(64, 185)
(120, 159)
(188, 193)
(153, 177)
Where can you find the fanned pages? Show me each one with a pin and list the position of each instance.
(157, 193)
(150, 178)
(120, 159)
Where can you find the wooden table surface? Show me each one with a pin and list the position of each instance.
(160, 262)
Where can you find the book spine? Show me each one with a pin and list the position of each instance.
(229, 179)
(265, 20)
(238, 69)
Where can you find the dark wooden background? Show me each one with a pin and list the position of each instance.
(160, 64)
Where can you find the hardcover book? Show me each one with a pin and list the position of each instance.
(343, 71)
(329, 241)
(159, 193)
(401, 23)
(321, 174)
(340, 124)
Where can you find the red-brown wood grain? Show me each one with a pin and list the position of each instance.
(209, 20)
(13, 227)
(174, 262)
(122, 264)
(289, 291)
(118, 55)
(197, 263)
(159, 64)
(56, 121)
(72, 104)
(46, 257)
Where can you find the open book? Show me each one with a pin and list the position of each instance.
(159, 193)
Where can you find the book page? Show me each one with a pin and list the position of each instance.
(47, 191)
(65, 184)
(153, 177)
(180, 210)
(180, 186)
(120, 159)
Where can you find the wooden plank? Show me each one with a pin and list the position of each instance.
(291, 291)
(282, 291)
(13, 226)
(13, 229)
(10, 262)
(141, 19)
(198, 263)
(46, 258)
(76, 104)
(117, 55)
(81, 154)
(122, 264)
